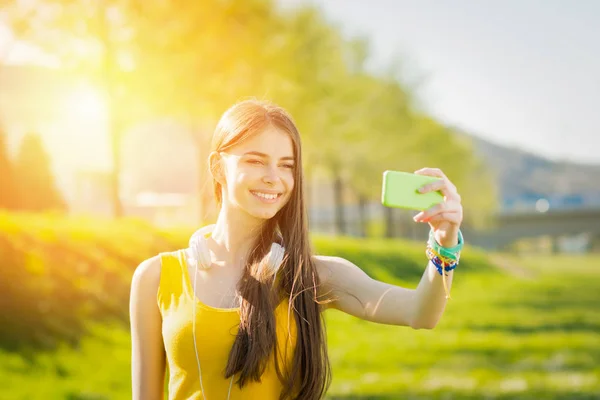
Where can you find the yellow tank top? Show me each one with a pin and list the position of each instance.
(215, 333)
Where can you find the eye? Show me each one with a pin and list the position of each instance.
(290, 166)
(254, 162)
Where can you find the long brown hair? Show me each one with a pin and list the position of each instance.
(310, 373)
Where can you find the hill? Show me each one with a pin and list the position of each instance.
(525, 177)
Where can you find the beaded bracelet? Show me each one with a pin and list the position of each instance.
(440, 266)
(446, 252)
(447, 261)
(444, 258)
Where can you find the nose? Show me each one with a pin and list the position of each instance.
(270, 176)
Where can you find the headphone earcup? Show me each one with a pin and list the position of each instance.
(199, 246)
(276, 257)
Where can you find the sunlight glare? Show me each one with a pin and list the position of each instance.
(86, 102)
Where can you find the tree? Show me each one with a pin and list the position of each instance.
(8, 188)
(455, 155)
(203, 60)
(93, 38)
(185, 60)
(37, 190)
(190, 61)
(318, 93)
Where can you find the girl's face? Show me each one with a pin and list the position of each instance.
(259, 173)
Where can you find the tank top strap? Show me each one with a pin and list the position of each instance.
(172, 288)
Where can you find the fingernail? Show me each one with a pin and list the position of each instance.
(422, 189)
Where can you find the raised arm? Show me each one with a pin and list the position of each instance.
(147, 351)
(355, 293)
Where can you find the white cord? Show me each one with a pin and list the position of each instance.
(201, 255)
(194, 331)
(194, 335)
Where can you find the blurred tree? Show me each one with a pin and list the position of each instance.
(318, 82)
(36, 186)
(8, 188)
(369, 113)
(187, 60)
(92, 39)
(455, 155)
(205, 58)
(222, 52)
(190, 61)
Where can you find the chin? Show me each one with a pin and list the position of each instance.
(264, 214)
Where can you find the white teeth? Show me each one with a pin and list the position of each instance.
(266, 196)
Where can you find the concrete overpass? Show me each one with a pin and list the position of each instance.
(512, 226)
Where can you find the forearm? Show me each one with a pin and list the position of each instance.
(430, 298)
(430, 295)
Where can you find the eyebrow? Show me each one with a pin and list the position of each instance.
(263, 155)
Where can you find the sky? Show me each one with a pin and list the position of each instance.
(522, 73)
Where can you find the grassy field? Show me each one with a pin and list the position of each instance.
(516, 328)
(531, 333)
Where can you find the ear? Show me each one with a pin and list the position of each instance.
(217, 167)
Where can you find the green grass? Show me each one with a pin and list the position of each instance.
(516, 328)
(533, 335)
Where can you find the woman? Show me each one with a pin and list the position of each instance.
(257, 330)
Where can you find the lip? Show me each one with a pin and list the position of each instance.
(267, 191)
(266, 201)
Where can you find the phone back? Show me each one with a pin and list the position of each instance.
(400, 190)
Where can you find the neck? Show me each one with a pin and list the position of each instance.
(234, 234)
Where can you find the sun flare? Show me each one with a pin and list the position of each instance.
(78, 135)
(86, 102)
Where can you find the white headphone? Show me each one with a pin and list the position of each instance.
(200, 255)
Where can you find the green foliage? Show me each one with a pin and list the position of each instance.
(26, 183)
(35, 182)
(191, 61)
(57, 273)
(8, 186)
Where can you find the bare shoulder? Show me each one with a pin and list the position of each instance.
(147, 348)
(146, 278)
(329, 267)
(339, 279)
(332, 268)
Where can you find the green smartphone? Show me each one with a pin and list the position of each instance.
(400, 190)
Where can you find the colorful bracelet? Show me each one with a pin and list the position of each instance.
(444, 258)
(447, 261)
(446, 252)
(441, 266)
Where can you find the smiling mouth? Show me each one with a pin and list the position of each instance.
(266, 197)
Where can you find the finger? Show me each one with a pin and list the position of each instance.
(445, 206)
(444, 185)
(431, 172)
(423, 215)
(452, 217)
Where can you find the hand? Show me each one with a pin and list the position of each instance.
(443, 218)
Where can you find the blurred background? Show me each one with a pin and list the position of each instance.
(106, 113)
